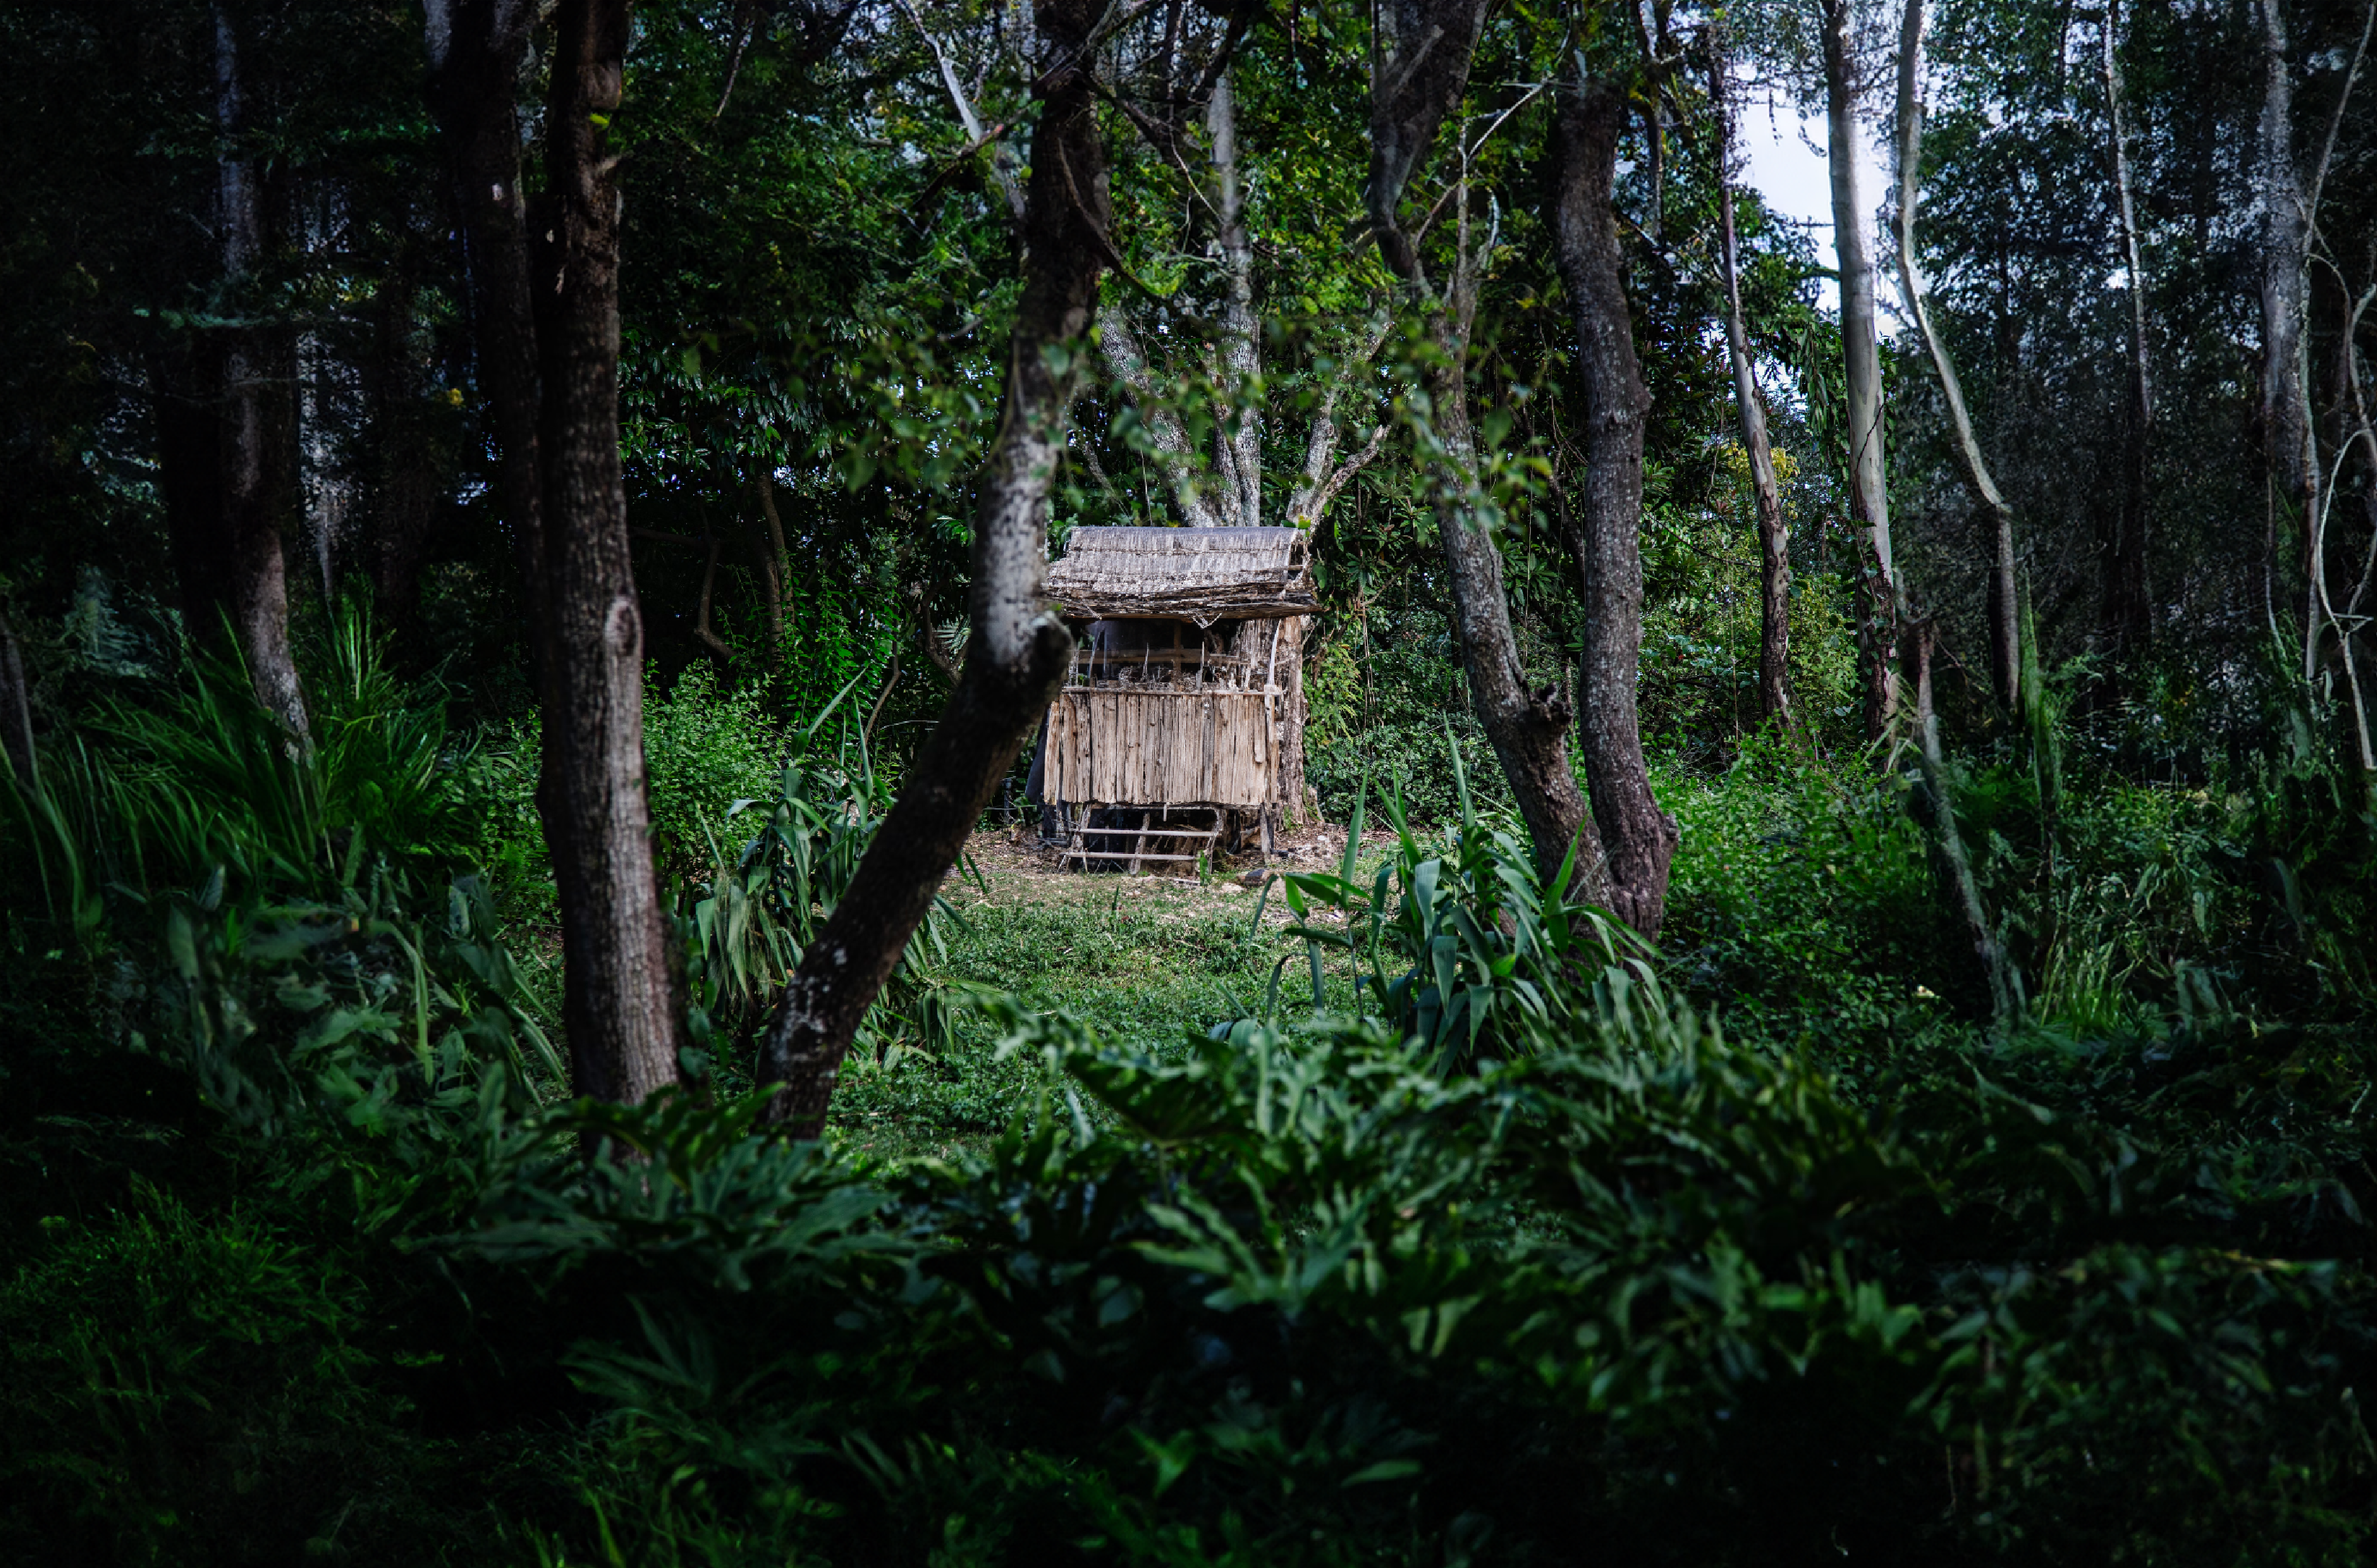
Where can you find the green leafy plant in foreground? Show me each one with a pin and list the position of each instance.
(1493, 962)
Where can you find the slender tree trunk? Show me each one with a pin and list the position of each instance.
(2281, 215)
(257, 417)
(1017, 650)
(770, 548)
(476, 52)
(620, 1003)
(702, 631)
(1860, 345)
(404, 466)
(17, 712)
(1773, 537)
(1638, 839)
(2128, 609)
(1419, 67)
(1241, 345)
(2005, 657)
(1996, 968)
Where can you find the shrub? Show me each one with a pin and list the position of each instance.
(705, 749)
(173, 1385)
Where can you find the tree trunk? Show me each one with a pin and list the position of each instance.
(2006, 653)
(2127, 616)
(476, 49)
(548, 375)
(16, 712)
(2285, 369)
(405, 470)
(1638, 839)
(1860, 346)
(257, 420)
(1996, 968)
(1290, 739)
(619, 1003)
(1017, 650)
(1166, 435)
(1419, 67)
(1240, 449)
(770, 548)
(1773, 537)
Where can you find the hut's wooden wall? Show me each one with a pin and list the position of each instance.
(1162, 748)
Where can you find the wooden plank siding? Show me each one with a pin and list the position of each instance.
(1110, 747)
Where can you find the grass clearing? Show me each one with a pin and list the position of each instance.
(1150, 962)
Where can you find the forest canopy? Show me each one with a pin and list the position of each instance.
(1801, 985)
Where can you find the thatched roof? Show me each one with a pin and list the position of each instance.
(1205, 574)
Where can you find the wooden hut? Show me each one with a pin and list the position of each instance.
(1180, 727)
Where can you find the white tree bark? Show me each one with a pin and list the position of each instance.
(2004, 658)
(1860, 346)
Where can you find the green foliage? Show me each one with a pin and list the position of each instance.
(1412, 761)
(704, 750)
(1803, 899)
(1491, 950)
(168, 1377)
(747, 922)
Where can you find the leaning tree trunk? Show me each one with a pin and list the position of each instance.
(1996, 968)
(1860, 348)
(2005, 659)
(1018, 650)
(619, 1003)
(1419, 69)
(1638, 838)
(257, 420)
(1774, 536)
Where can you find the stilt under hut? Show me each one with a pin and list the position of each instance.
(1181, 726)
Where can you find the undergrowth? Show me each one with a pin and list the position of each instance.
(1401, 1210)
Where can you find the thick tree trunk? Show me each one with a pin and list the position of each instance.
(257, 420)
(2005, 657)
(1290, 680)
(1638, 838)
(1773, 537)
(1018, 650)
(619, 1003)
(547, 358)
(1419, 69)
(2128, 618)
(1860, 346)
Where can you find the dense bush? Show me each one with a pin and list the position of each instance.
(1448, 1225)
